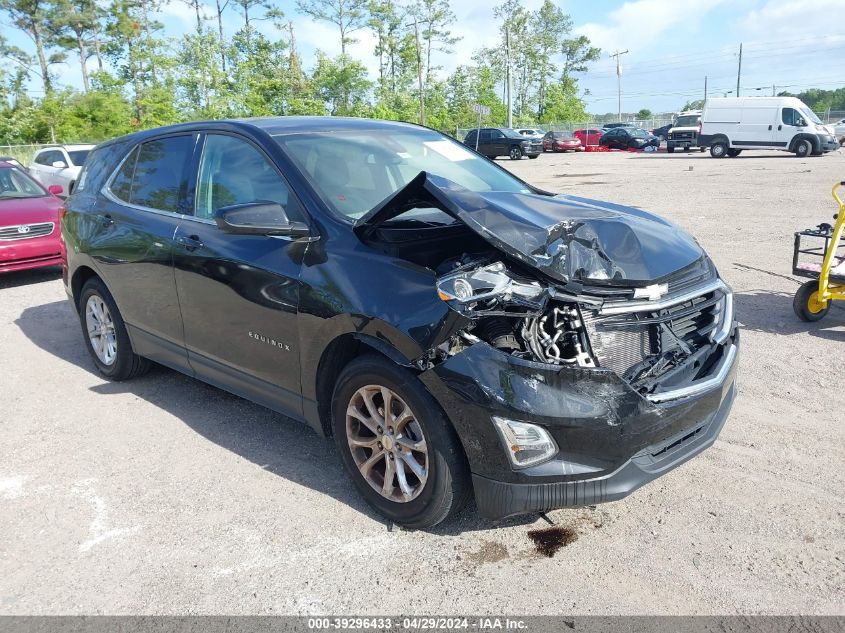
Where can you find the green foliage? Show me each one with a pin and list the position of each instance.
(698, 104)
(134, 77)
(821, 100)
(645, 113)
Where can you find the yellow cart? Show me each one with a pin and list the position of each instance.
(823, 264)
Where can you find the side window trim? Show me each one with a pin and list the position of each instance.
(108, 193)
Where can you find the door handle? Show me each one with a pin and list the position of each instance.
(190, 242)
(106, 220)
(770, 127)
(780, 127)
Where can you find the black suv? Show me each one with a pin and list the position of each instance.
(502, 141)
(454, 328)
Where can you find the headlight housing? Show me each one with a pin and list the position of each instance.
(525, 444)
(466, 288)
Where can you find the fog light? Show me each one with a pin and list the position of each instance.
(526, 444)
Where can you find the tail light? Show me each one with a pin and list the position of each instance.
(699, 126)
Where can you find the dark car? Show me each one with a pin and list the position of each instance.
(456, 329)
(613, 126)
(662, 133)
(561, 141)
(496, 141)
(628, 138)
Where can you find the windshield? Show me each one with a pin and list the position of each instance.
(16, 184)
(637, 133)
(78, 156)
(687, 121)
(511, 133)
(564, 134)
(354, 171)
(811, 115)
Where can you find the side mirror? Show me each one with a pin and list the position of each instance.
(801, 123)
(259, 218)
(59, 164)
(56, 190)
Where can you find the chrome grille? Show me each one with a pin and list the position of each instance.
(25, 231)
(621, 341)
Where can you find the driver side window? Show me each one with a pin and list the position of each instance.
(791, 116)
(233, 171)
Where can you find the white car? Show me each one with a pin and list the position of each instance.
(534, 133)
(838, 129)
(59, 165)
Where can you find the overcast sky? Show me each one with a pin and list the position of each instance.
(671, 45)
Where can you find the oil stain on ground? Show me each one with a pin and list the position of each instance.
(549, 540)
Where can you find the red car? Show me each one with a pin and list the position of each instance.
(589, 136)
(561, 142)
(29, 222)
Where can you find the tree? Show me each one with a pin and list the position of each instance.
(550, 26)
(644, 114)
(562, 104)
(30, 16)
(74, 24)
(342, 85)
(348, 15)
(577, 54)
(698, 104)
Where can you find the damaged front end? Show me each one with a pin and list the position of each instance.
(598, 340)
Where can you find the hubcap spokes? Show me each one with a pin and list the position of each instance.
(100, 327)
(387, 443)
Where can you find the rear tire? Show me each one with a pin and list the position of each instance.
(535, 156)
(806, 303)
(719, 149)
(105, 334)
(444, 485)
(670, 149)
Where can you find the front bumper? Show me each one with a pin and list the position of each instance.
(612, 440)
(28, 254)
(827, 143)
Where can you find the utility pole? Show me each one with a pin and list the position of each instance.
(773, 90)
(739, 69)
(619, 79)
(508, 73)
(705, 87)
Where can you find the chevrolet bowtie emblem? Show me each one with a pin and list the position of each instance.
(652, 293)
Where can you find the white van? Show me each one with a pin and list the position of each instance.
(730, 125)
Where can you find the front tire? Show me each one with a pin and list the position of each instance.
(806, 303)
(719, 149)
(803, 148)
(733, 153)
(396, 444)
(670, 149)
(515, 153)
(105, 334)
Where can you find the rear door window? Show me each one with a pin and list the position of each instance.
(154, 174)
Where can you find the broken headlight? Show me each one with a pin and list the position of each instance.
(494, 283)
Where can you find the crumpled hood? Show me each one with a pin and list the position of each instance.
(568, 238)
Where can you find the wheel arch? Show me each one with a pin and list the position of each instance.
(80, 276)
(340, 351)
(814, 141)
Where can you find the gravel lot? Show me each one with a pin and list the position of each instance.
(164, 495)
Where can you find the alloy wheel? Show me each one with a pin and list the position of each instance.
(100, 327)
(387, 443)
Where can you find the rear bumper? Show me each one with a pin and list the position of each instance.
(499, 499)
